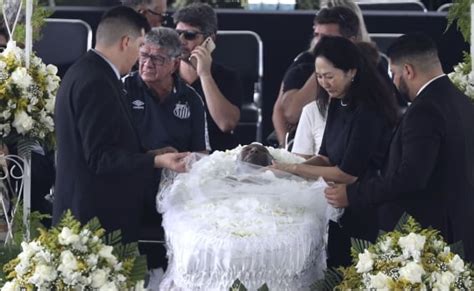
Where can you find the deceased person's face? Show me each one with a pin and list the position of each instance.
(256, 154)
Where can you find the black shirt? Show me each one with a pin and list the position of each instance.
(355, 139)
(230, 86)
(179, 121)
(299, 71)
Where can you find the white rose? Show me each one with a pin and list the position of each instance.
(99, 278)
(21, 268)
(21, 78)
(140, 286)
(6, 114)
(23, 123)
(11, 286)
(379, 281)
(109, 286)
(3, 65)
(5, 129)
(386, 245)
(365, 262)
(91, 260)
(67, 237)
(68, 262)
(52, 69)
(412, 272)
(52, 83)
(43, 256)
(49, 106)
(106, 253)
(456, 264)
(412, 245)
(43, 274)
(443, 281)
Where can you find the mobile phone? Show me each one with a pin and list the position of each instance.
(209, 45)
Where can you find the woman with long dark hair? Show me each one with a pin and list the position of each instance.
(362, 113)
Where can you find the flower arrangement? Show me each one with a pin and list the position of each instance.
(405, 259)
(27, 97)
(74, 257)
(462, 78)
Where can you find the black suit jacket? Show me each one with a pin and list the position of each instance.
(101, 168)
(429, 171)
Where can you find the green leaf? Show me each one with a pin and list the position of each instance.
(113, 238)
(458, 248)
(359, 245)
(401, 222)
(264, 287)
(459, 13)
(139, 269)
(332, 278)
(7, 253)
(237, 286)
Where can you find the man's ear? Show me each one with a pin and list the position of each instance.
(124, 42)
(409, 71)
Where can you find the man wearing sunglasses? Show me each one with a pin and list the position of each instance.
(153, 10)
(220, 87)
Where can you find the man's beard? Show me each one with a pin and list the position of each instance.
(403, 89)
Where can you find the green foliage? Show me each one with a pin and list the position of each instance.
(358, 246)
(332, 278)
(7, 253)
(460, 13)
(237, 286)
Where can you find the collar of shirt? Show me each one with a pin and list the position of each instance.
(429, 82)
(114, 68)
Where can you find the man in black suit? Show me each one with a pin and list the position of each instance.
(429, 171)
(102, 169)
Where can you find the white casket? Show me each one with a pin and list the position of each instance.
(226, 220)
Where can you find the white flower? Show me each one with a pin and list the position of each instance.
(11, 286)
(412, 245)
(92, 260)
(379, 281)
(5, 129)
(99, 278)
(49, 106)
(21, 268)
(456, 265)
(6, 114)
(109, 286)
(386, 245)
(43, 256)
(412, 272)
(3, 66)
(67, 237)
(43, 274)
(443, 281)
(365, 262)
(52, 69)
(139, 286)
(21, 78)
(12, 49)
(68, 262)
(23, 123)
(106, 253)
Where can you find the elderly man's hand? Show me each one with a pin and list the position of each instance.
(336, 195)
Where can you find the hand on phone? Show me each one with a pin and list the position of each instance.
(208, 45)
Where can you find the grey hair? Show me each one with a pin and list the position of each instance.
(165, 38)
(135, 3)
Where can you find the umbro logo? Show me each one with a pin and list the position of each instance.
(138, 104)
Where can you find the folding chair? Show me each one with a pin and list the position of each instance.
(63, 42)
(384, 40)
(392, 5)
(444, 8)
(242, 51)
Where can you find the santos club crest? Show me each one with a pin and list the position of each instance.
(182, 111)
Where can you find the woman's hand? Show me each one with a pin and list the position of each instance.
(290, 168)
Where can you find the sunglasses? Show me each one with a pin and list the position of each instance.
(188, 34)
